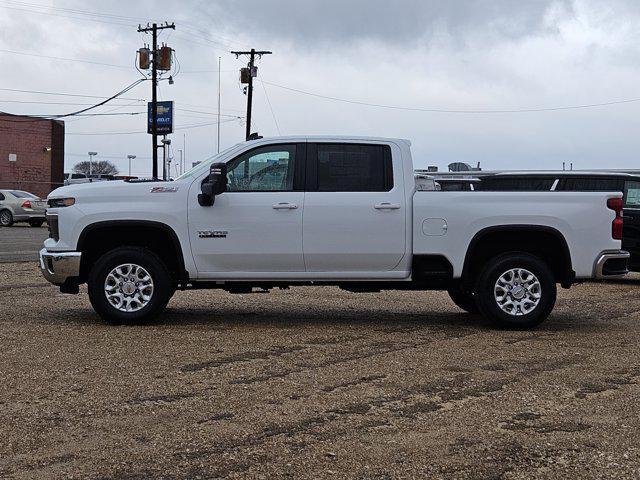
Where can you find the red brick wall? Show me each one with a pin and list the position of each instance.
(36, 170)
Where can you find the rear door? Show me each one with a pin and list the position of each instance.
(354, 212)
(631, 232)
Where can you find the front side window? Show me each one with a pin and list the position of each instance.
(632, 194)
(354, 168)
(265, 169)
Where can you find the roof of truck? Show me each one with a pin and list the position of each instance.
(333, 138)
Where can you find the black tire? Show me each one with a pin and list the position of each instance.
(149, 261)
(464, 300)
(487, 300)
(6, 218)
(36, 223)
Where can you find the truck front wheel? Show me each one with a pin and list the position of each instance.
(516, 290)
(129, 285)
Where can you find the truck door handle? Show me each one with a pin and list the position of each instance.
(285, 206)
(387, 206)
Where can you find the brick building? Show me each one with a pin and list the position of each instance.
(31, 154)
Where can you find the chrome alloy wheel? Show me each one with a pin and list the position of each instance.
(5, 218)
(128, 287)
(517, 292)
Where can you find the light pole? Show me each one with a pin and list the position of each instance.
(181, 162)
(91, 155)
(130, 157)
(165, 142)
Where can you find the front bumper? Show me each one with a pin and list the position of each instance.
(612, 264)
(58, 267)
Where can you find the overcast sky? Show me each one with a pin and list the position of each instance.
(462, 55)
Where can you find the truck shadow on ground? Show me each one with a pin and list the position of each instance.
(334, 318)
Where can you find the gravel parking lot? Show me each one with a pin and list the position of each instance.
(316, 383)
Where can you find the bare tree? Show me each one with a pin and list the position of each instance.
(99, 166)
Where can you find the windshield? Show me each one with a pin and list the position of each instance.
(205, 164)
(21, 194)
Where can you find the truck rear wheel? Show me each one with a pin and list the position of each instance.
(129, 285)
(465, 300)
(516, 290)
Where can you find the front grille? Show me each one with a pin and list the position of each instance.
(52, 222)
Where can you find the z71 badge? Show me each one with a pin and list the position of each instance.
(213, 234)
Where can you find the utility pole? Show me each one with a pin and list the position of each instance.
(246, 76)
(154, 87)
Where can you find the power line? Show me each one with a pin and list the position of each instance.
(35, 102)
(76, 14)
(40, 92)
(64, 59)
(78, 112)
(186, 127)
(110, 156)
(275, 120)
(442, 110)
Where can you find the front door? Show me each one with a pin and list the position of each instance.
(254, 229)
(354, 213)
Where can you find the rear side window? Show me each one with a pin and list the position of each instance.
(590, 184)
(21, 194)
(515, 184)
(632, 194)
(2, 196)
(352, 168)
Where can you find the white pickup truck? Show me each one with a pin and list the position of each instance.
(273, 213)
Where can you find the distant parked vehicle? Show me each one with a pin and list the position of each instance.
(75, 178)
(101, 177)
(457, 184)
(19, 206)
(581, 181)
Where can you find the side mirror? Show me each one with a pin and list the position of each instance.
(215, 184)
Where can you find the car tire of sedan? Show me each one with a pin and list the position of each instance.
(6, 218)
(36, 223)
(464, 300)
(129, 285)
(516, 290)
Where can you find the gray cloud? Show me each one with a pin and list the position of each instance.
(333, 22)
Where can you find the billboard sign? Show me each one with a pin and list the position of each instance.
(164, 116)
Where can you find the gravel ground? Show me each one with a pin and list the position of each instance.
(317, 383)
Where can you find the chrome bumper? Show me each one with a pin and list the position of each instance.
(612, 264)
(57, 267)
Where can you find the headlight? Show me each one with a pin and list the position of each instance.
(61, 202)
